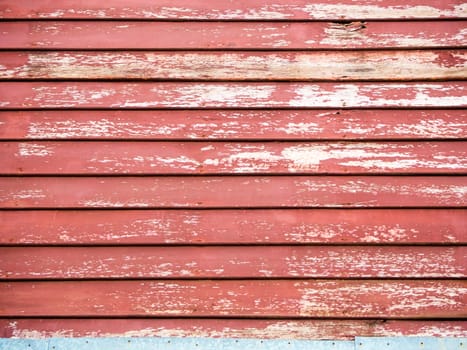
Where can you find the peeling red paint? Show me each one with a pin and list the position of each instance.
(282, 170)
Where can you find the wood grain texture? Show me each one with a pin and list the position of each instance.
(235, 192)
(246, 298)
(239, 66)
(125, 35)
(50, 263)
(226, 10)
(25, 95)
(233, 125)
(271, 226)
(149, 158)
(228, 328)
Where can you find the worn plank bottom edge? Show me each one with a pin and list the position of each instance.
(337, 329)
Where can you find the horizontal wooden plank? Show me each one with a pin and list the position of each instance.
(340, 65)
(232, 262)
(125, 35)
(226, 10)
(271, 226)
(117, 95)
(238, 191)
(149, 158)
(227, 328)
(240, 124)
(234, 298)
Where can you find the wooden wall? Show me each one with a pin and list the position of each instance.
(288, 169)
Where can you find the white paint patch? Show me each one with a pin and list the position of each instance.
(218, 95)
(301, 128)
(28, 194)
(34, 149)
(372, 95)
(337, 10)
(115, 204)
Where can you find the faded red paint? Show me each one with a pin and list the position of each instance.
(234, 192)
(233, 328)
(113, 95)
(153, 158)
(252, 218)
(225, 9)
(124, 35)
(235, 125)
(258, 226)
(234, 262)
(244, 298)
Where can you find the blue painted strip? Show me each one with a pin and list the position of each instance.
(360, 343)
(410, 343)
(20, 344)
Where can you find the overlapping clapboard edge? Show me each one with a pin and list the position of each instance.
(193, 95)
(232, 191)
(226, 328)
(127, 35)
(364, 124)
(249, 226)
(239, 66)
(226, 10)
(237, 298)
(150, 158)
(220, 262)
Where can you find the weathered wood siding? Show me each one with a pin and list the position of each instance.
(285, 169)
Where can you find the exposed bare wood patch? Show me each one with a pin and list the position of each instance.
(346, 66)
